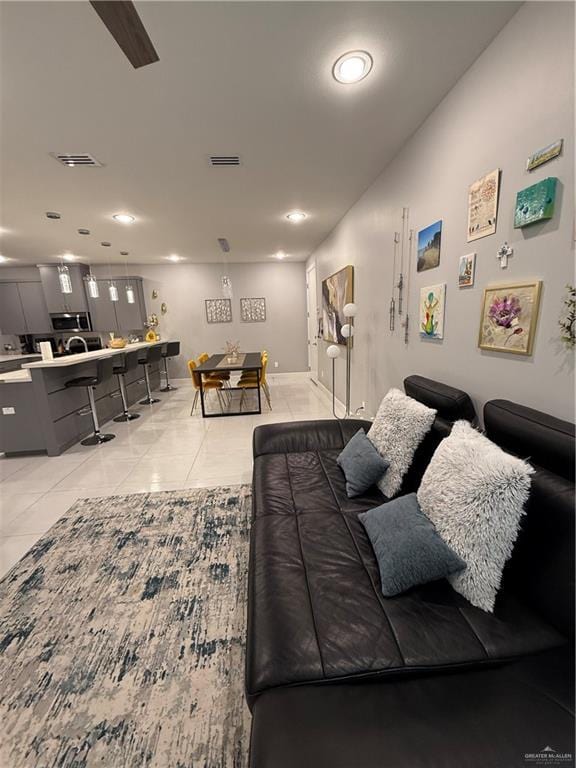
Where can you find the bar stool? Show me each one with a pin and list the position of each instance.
(103, 373)
(145, 358)
(172, 349)
(120, 366)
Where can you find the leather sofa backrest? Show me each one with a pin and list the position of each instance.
(451, 404)
(541, 569)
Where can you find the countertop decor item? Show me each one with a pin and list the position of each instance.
(166, 688)
(117, 343)
(535, 203)
(508, 318)
(232, 350)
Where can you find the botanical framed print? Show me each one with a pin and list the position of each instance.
(429, 242)
(253, 310)
(218, 311)
(509, 316)
(431, 312)
(483, 206)
(337, 291)
(535, 203)
(466, 269)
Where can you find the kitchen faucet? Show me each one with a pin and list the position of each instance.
(75, 338)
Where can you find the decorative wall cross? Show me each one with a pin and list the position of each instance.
(503, 254)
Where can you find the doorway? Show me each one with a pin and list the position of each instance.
(312, 311)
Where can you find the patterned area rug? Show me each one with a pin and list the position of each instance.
(122, 636)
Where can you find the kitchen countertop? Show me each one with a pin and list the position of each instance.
(15, 376)
(8, 358)
(88, 357)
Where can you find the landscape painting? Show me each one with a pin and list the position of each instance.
(337, 291)
(429, 240)
(508, 318)
(466, 270)
(431, 314)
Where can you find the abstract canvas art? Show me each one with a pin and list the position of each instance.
(483, 206)
(429, 241)
(218, 311)
(466, 270)
(431, 312)
(544, 155)
(535, 203)
(508, 318)
(337, 291)
(253, 310)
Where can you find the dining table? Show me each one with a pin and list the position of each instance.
(243, 362)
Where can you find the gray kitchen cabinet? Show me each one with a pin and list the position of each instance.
(118, 316)
(36, 315)
(12, 320)
(102, 311)
(57, 301)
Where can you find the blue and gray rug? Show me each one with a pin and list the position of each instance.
(122, 636)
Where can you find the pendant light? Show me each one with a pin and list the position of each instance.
(64, 279)
(226, 287)
(130, 298)
(92, 285)
(113, 291)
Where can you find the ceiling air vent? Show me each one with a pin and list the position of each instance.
(76, 159)
(224, 160)
(224, 245)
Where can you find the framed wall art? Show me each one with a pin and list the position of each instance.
(483, 206)
(218, 310)
(466, 268)
(508, 317)
(535, 203)
(337, 291)
(429, 242)
(544, 155)
(253, 310)
(431, 312)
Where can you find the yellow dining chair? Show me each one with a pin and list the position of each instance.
(224, 376)
(207, 384)
(251, 382)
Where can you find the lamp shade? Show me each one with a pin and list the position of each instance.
(333, 351)
(350, 310)
(347, 330)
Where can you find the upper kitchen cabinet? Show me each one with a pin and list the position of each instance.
(57, 301)
(119, 316)
(23, 309)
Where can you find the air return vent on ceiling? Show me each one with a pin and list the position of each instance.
(224, 160)
(76, 159)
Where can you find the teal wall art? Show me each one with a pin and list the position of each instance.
(535, 203)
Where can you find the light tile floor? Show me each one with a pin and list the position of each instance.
(165, 449)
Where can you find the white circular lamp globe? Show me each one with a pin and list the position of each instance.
(333, 351)
(347, 330)
(350, 310)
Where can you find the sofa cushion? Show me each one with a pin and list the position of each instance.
(316, 612)
(361, 463)
(407, 546)
(491, 718)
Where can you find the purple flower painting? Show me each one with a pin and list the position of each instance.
(509, 315)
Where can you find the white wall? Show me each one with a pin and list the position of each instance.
(516, 98)
(184, 287)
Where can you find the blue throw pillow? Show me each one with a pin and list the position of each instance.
(361, 463)
(407, 546)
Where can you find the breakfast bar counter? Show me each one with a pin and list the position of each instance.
(38, 413)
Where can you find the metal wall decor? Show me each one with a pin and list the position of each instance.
(218, 310)
(253, 310)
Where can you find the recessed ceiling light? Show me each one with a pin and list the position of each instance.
(296, 216)
(124, 218)
(3, 258)
(52, 215)
(83, 231)
(106, 244)
(280, 255)
(352, 67)
(124, 253)
(68, 257)
(174, 257)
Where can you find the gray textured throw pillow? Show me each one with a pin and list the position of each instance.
(474, 493)
(407, 546)
(398, 429)
(361, 463)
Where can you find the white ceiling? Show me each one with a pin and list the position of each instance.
(246, 78)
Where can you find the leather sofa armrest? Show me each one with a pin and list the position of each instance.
(300, 436)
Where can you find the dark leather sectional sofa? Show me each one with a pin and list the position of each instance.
(337, 676)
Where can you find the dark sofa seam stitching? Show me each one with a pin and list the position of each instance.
(305, 570)
(374, 589)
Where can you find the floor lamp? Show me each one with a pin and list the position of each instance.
(333, 352)
(348, 332)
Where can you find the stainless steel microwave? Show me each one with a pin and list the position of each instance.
(66, 322)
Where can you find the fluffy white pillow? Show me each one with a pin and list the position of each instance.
(474, 493)
(398, 429)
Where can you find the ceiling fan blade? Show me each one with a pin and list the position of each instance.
(125, 25)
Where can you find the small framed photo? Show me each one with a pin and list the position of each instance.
(466, 269)
(509, 316)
